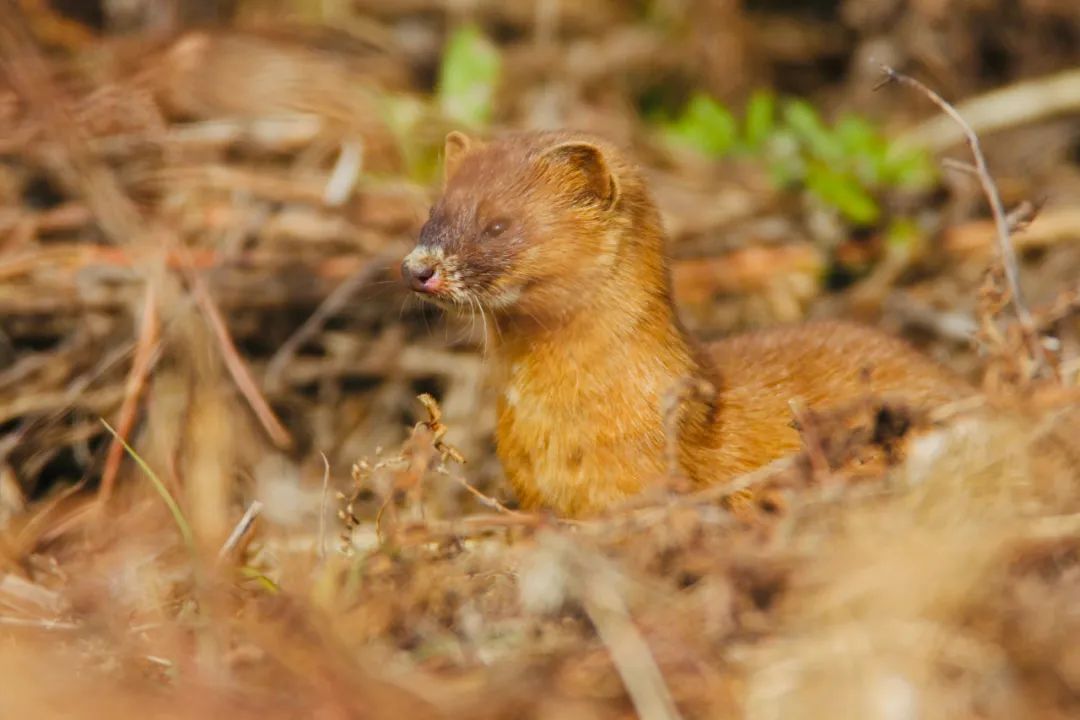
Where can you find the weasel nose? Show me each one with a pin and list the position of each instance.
(419, 276)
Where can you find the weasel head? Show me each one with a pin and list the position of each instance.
(528, 225)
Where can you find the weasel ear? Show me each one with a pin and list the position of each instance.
(456, 146)
(586, 172)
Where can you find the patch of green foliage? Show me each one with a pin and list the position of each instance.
(468, 77)
(847, 165)
(464, 96)
(404, 115)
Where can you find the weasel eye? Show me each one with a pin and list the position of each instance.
(496, 227)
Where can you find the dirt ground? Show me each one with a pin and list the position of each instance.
(220, 493)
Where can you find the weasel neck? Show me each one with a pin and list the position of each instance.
(627, 339)
(581, 415)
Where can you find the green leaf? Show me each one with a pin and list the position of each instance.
(705, 125)
(401, 112)
(159, 486)
(864, 148)
(260, 579)
(903, 233)
(910, 169)
(857, 135)
(403, 115)
(784, 158)
(805, 122)
(468, 77)
(844, 193)
(760, 118)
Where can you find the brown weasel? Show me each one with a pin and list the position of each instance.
(554, 239)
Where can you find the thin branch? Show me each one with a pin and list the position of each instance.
(329, 307)
(346, 171)
(630, 653)
(145, 353)
(322, 506)
(237, 367)
(484, 499)
(960, 166)
(241, 529)
(1026, 102)
(600, 590)
(673, 407)
(1023, 215)
(1001, 222)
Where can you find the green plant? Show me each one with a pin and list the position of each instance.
(468, 77)
(705, 125)
(465, 96)
(847, 166)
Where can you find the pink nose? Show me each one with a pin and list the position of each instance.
(421, 277)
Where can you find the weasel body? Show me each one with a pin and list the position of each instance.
(554, 239)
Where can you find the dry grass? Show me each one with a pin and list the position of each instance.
(181, 256)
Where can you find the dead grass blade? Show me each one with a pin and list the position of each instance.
(238, 369)
(166, 497)
(142, 362)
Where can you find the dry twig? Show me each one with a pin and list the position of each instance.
(438, 431)
(1025, 102)
(241, 375)
(329, 307)
(673, 408)
(1001, 222)
(598, 585)
(322, 506)
(240, 530)
(145, 352)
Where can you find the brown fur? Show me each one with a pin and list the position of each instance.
(555, 239)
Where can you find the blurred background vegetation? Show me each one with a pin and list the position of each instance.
(202, 207)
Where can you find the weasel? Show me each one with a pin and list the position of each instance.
(553, 237)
